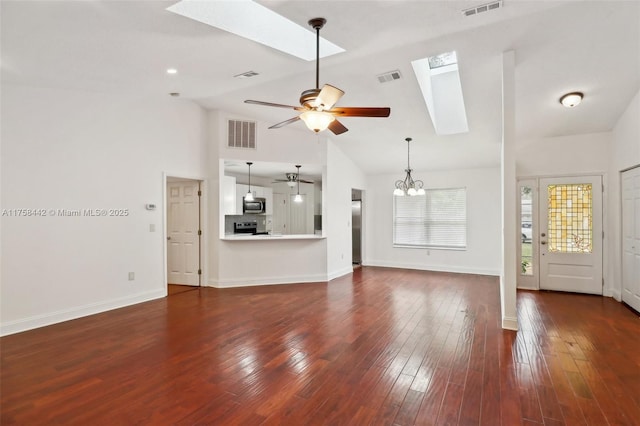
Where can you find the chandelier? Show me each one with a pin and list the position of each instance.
(408, 186)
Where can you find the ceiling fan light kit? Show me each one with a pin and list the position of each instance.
(317, 120)
(408, 186)
(317, 105)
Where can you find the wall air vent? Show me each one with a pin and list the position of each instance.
(242, 134)
(247, 74)
(389, 76)
(482, 8)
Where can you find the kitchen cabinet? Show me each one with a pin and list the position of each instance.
(241, 191)
(229, 195)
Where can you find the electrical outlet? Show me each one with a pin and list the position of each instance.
(132, 276)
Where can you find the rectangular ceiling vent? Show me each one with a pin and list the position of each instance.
(242, 134)
(389, 76)
(482, 8)
(247, 74)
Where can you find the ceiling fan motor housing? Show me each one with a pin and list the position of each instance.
(308, 98)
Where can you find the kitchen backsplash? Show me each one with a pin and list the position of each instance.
(263, 221)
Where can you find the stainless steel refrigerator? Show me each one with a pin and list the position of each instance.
(356, 232)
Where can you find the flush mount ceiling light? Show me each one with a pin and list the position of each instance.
(249, 196)
(408, 186)
(298, 197)
(172, 71)
(571, 99)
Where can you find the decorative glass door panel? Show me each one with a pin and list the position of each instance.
(570, 218)
(570, 238)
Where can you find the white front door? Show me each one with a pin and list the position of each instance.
(183, 223)
(631, 238)
(570, 234)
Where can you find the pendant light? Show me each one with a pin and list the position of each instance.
(408, 186)
(249, 196)
(298, 197)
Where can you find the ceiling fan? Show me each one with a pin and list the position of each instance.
(317, 105)
(292, 179)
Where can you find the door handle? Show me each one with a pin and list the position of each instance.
(168, 238)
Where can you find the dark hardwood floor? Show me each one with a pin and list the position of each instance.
(381, 346)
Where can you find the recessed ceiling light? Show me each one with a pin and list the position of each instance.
(256, 22)
(571, 99)
(172, 71)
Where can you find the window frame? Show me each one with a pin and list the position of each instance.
(429, 222)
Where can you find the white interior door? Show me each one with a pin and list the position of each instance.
(570, 239)
(631, 238)
(183, 222)
(280, 213)
(298, 223)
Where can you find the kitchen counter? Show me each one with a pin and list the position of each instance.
(278, 237)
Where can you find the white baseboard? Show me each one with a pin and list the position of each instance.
(612, 292)
(510, 323)
(436, 268)
(36, 321)
(340, 272)
(248, 282)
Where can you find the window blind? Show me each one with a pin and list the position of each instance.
(436, 219)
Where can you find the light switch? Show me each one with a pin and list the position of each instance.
(152, 227)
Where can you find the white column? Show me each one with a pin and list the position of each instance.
(508, 175)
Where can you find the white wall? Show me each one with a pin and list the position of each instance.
(342, 176)
(563, 155)
(482, 255)
(242, 263)
(80, 150)
(624, 153)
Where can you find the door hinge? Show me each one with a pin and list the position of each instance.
(199, 193)
(199, 271)
(603, 235)
(602, 282)
(199, 232)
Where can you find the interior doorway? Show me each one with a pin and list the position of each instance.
(561, 234)
(356, 227)
(184, 234)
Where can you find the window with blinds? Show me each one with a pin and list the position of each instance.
(437, 219)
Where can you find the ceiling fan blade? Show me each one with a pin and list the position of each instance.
(328, 96)
(337, 127)
(284, 123)
(360, 112)
(271, 104)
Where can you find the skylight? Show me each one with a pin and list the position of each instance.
(439, 82)
(250, 20)
(442, 60)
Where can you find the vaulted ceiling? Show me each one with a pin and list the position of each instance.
(126, 46)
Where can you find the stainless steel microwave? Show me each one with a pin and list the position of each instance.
(257, 206)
